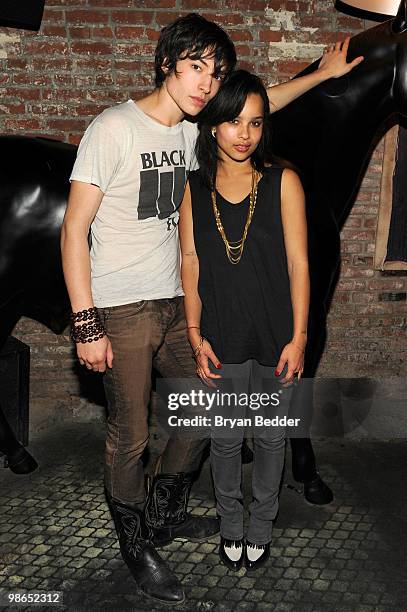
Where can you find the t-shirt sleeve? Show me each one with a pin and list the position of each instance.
(98, 156)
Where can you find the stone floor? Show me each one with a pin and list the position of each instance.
(56, 535)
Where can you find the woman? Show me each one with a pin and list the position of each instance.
(245, 278)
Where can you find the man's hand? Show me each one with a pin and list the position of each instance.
(95, 355)
(334, 64)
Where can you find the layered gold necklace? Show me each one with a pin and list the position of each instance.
(234, 249)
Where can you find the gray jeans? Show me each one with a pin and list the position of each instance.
(269, 450)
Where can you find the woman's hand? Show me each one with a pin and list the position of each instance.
(202, 358)
(292, 355)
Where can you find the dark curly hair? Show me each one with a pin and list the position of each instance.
(193, 37)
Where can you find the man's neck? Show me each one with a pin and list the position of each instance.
(161, 107)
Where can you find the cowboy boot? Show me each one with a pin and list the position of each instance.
(150, 572)
(166, 511)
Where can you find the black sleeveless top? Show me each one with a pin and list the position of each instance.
(246, 308)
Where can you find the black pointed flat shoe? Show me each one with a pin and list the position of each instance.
(224, 557)
(251, 566)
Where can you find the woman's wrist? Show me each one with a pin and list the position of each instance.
(299, 341)
(194, 334)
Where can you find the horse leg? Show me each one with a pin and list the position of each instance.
(304, 467)
(19, 460)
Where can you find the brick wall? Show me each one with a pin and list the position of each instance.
(90, 54)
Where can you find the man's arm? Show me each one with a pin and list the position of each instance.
(84, 201)
(332, 65)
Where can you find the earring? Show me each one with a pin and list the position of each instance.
(213, 132)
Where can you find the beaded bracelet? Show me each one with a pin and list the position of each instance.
(91, 329)
(84, 315)
(90, 332)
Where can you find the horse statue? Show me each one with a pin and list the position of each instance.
(328, 134)
(33, 196)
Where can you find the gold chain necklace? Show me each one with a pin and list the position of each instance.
(234, 249)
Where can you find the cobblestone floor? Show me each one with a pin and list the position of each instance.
(56, 535)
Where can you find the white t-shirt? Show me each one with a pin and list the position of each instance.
(142, 167)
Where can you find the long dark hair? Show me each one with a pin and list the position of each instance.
(193, 37)
(225, 106)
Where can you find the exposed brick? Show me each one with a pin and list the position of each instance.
(19, 125)
(152, 34)
(86, 16)
(352, 234)
(90, 54)
(92, 64)
(66, 125)
(228, 18)
(80, 33)
(386, 284)
(12, 109)
(91, 48)
(16, 63)
(21, 94)
(101, 32)
(240, 35)
(133, 50)
(363, 298)
(242, 50)
(351, 285)
(53, 30)
(270, 36)
(358, 260)
(40, 47)
(164, 18)
(27, 78)
(51, 63)
(135, 17)
(129, 32)
(349, 24)
(351, 247)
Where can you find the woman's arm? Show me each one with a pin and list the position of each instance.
(295, 237)
(192, 301)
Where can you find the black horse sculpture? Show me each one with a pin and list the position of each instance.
(33, 195)
(328, 134)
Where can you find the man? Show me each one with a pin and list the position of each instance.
(126, 296)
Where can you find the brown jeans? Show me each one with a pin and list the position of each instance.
(143, 334)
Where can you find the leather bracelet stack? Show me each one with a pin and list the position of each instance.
(91, 329)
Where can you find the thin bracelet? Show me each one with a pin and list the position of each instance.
(197, 349)
(193, 327)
